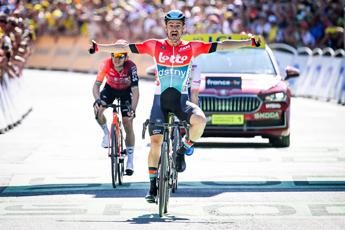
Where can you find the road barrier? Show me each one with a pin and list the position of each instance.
(322, 71)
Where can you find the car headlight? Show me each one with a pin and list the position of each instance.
(280, 96)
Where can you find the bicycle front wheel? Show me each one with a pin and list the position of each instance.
(114, 156)
(121, 167)
(177, 139)
(163, 189)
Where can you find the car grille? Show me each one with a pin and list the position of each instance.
(243, 104)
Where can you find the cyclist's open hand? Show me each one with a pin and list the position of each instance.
(93, 48)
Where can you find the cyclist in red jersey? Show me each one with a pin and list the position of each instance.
(121, 82)
(173, 58)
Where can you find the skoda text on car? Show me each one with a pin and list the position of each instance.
(243, 94)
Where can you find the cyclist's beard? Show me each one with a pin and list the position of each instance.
(174, 36)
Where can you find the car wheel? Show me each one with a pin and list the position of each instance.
(280, 142)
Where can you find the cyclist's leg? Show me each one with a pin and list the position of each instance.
(128, 126)
(196, 118)
(127, 121)
(192, 113)
(197, 122)
(156, 139)
(107, 96)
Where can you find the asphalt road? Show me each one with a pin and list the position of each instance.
(55, 175)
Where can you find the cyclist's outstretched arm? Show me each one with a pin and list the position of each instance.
(110, 48)
(234, 44)
(146, 47)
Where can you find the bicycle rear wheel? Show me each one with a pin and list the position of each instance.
(114, 157)
(163, 183)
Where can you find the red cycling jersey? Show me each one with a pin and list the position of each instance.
(173, 62)
(118, 80)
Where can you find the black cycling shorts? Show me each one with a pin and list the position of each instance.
(171, 100)
(109, 94)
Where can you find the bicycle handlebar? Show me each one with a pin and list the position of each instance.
(180, 124)
(115, 106)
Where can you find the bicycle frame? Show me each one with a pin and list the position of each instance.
(167, 175)
(116, 151)
(116, 122)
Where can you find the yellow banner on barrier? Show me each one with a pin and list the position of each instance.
(221, 37)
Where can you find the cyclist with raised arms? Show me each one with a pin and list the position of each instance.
(121, 82)
(173, 57)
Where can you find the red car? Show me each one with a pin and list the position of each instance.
(242, 92)
(243, 95)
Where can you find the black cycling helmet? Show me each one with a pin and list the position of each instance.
(174, 15)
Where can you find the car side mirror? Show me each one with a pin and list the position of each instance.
(291, 72)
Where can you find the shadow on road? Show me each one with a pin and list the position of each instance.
(154, 218)
(185, 189)
(233, 145)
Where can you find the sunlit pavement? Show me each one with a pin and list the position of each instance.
(55, 175)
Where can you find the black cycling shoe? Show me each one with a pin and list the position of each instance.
(129, 172)
(180, 162)
(151, 195)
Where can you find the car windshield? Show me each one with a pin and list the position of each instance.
(245, 61)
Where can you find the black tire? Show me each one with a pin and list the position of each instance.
(280, 142)
(163, 180)
(121, 161)
(121, 172)
(114, 157)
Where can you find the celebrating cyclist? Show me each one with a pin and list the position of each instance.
(121, 82)
(173, 57)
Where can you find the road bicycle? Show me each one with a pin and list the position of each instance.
(116, 152)
(167, 178)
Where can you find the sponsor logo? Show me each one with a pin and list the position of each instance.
(134, 73)
(223, 82)
(156, 131)
(273, 106)
(184, 48)
(172, 59)
(172, 72)
(271, 115)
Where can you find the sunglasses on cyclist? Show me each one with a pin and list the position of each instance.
(120, 55)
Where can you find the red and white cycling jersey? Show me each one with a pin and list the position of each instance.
(173, 62)
(118, 80)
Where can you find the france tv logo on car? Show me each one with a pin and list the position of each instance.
(223, 82)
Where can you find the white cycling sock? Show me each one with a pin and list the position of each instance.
(187, 143)
(105, 129)
(130, 153)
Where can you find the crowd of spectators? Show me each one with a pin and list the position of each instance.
(312, 23)
(15, 43)
(16, 39)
